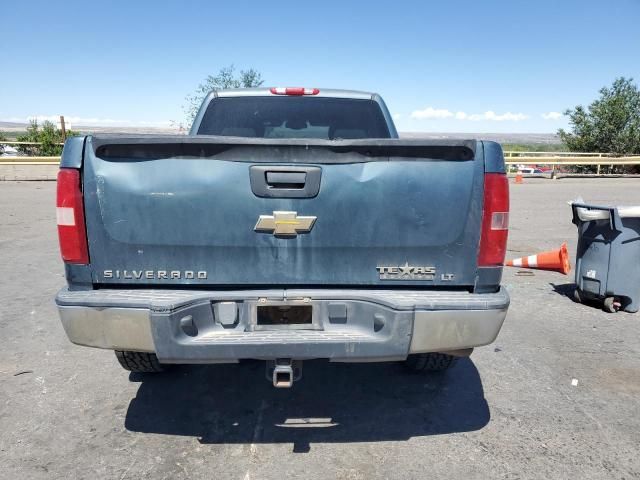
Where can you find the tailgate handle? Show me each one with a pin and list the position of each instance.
(285, 181)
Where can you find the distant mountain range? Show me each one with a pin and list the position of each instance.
(14, 127)
(521, 138)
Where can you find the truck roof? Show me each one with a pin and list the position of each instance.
(266, 91)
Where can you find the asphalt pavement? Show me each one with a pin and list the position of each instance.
(556, 396)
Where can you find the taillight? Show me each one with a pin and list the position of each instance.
(495, 220)
(294, 91)
(70, 217)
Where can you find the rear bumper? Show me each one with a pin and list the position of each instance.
(219, 326)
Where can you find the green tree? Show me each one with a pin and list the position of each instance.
(225, 78)
(611, 124)
(47, 134)
(2, 137)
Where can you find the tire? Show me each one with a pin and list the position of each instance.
(611, 305)
(576, 296)
(430, 362)
(139, 362)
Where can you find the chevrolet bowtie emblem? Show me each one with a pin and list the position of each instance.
(285, 224)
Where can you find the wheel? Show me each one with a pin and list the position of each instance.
(576, 296)
(611, 305)
(139, 362)
(429, 362)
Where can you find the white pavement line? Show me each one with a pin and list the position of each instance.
(257, 430)
(124, 474)
(605, 436)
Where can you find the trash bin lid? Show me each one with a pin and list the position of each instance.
(587, 215)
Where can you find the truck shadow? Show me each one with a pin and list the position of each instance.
(225, 404)
(564, 289)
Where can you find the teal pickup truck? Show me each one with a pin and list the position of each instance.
(290, 224)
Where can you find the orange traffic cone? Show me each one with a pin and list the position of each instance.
(518, 178)
(556, 260)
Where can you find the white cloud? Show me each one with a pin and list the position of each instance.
(551, 115)
(396, 116)
(493, 116)
(509, 117)
(431, 112)
(490, 115)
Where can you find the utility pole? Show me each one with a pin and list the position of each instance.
(62, 127)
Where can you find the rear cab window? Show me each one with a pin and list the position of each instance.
(294, 117)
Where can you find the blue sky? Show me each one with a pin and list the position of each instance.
(449, 66)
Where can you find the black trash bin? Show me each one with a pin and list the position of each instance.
(608, 255)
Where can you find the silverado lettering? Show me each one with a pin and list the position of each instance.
(154, 274)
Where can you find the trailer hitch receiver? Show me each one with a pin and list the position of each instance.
(284, 371)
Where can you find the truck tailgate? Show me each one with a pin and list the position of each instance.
(183, 211)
